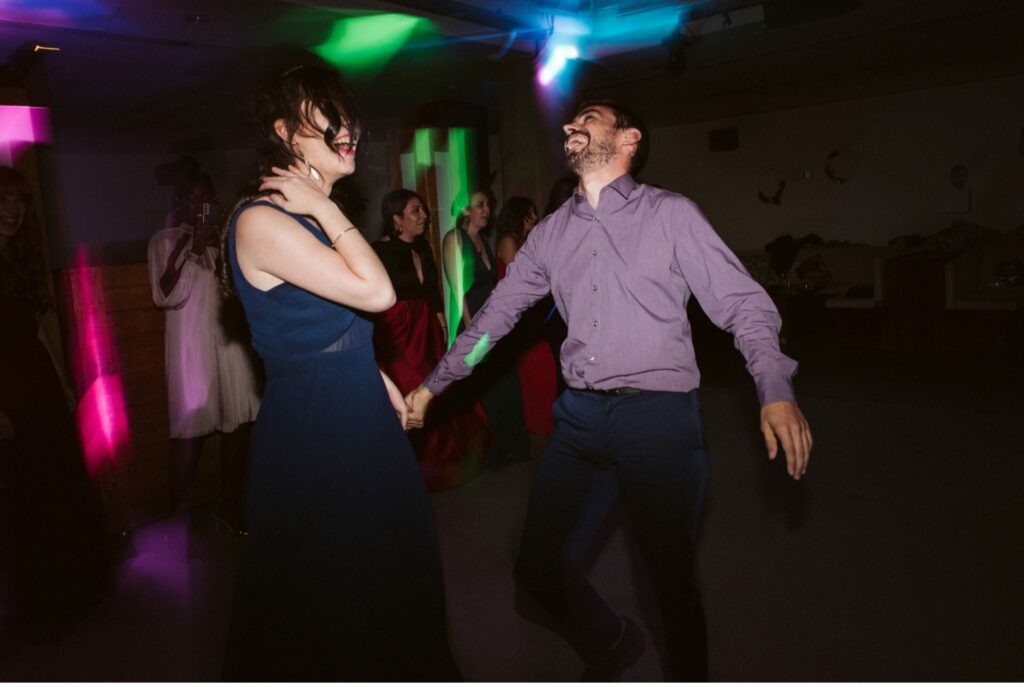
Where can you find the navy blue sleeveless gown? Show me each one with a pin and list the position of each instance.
(339, 579)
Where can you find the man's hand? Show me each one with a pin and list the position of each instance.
(418, 400)
(782, 421)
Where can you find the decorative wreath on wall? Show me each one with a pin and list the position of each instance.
(841, 164)
(770, 186)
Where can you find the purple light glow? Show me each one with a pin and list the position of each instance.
(101, 416)
(54, 12)
(20, 127)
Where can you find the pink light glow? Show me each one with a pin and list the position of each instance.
(101, 415)
(20, 127)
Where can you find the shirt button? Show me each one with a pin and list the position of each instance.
(594, 287)
(595, 323)
(591, 359)
(594, 252)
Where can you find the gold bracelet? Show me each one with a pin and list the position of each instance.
(336, 238)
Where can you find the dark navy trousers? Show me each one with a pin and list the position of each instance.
(647, 449)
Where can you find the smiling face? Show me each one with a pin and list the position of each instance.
(591, 139)
(331, 162)
(413, 220)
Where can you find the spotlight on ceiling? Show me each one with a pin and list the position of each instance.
(559, 56)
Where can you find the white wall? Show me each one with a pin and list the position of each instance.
(906, 144)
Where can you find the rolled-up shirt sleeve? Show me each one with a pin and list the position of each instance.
(733, 301)
(526, 282)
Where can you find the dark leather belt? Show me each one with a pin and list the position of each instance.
(617, 391)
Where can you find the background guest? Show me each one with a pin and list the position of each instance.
(410, 338)
(212, 383)
(471, 270)
(52, 517)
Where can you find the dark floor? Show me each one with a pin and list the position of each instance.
(899, 557)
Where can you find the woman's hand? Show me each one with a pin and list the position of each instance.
(397, 400)
(296, 190)
(204, 236)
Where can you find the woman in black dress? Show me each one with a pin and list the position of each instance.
(410, 338)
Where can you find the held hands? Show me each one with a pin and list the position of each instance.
(418, 400)
(782, 421)
(297, 190)
(395, 396)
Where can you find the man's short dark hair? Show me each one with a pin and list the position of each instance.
(625, 119)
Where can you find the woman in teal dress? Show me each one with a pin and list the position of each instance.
(340, 578)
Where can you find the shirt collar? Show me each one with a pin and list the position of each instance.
(623, 186)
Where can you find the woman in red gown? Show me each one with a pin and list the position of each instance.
(410, 339)
(537, 373)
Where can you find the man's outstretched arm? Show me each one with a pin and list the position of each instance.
(525, 283)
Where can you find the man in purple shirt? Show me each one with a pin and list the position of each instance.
(622, 260)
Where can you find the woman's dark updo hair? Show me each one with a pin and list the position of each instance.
(26, 278)
(394, 204)
(292, 96)
(510, 219)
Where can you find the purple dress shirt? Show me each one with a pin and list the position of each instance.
(621, 276)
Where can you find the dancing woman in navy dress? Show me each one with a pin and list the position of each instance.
(340, 578)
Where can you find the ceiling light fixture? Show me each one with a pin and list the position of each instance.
(560, 55)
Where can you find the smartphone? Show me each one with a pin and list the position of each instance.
(211, 214)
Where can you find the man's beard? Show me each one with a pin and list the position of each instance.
(595, 154)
